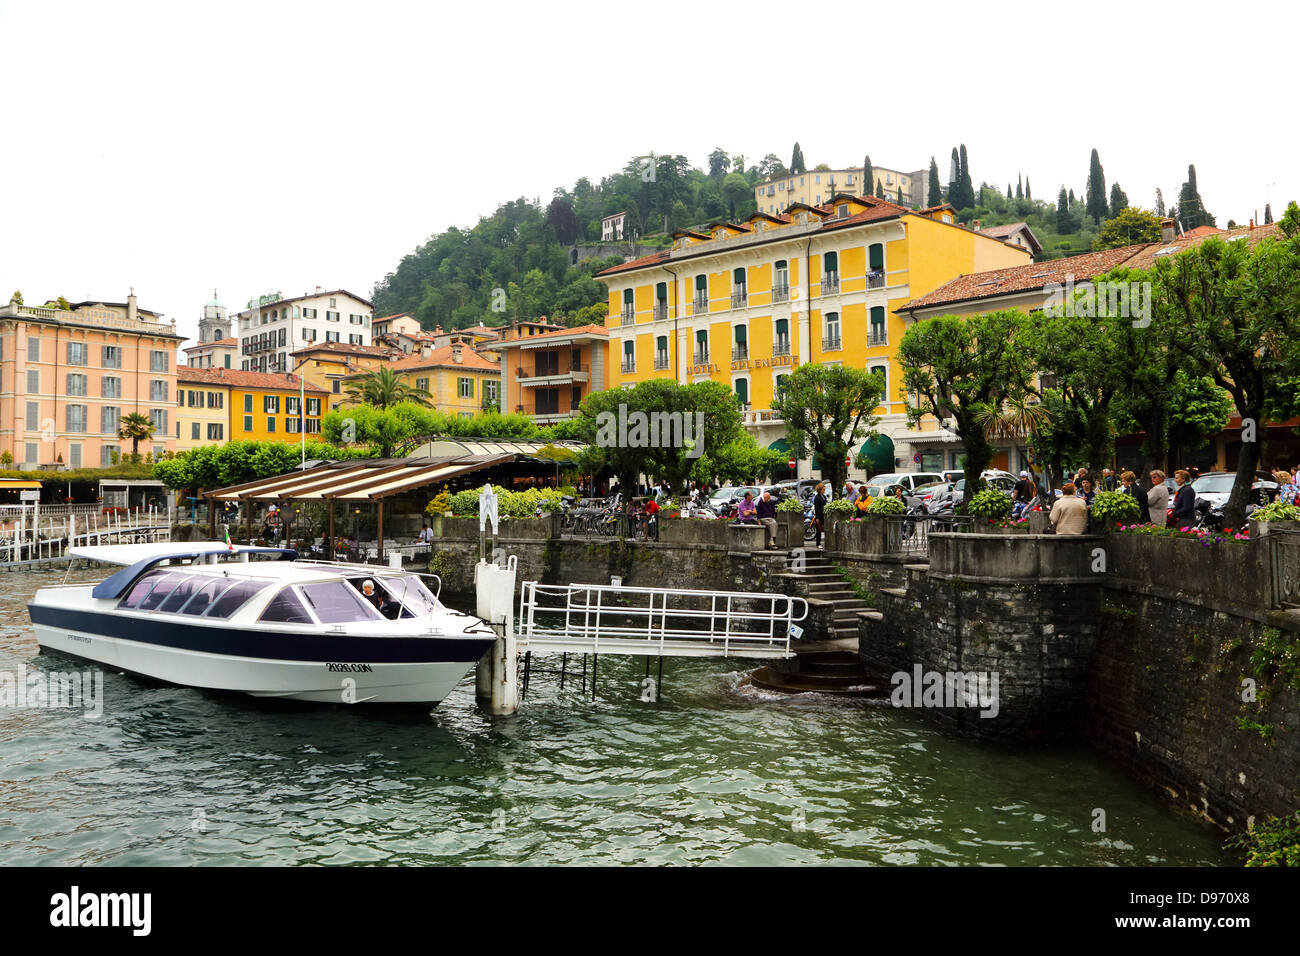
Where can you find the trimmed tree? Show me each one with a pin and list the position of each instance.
(934, 192)
(1095, 203)
(826, 409)
(797, 165)
(960, 367)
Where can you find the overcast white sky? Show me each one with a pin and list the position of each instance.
(274, 146)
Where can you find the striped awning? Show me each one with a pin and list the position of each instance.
(358, 480)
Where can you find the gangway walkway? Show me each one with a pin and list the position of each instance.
(656, 622)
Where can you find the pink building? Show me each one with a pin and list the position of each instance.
(69, 375)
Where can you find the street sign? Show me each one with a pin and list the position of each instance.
(792, 463)
(917, 458)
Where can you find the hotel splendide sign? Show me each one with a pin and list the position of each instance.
(742, 365)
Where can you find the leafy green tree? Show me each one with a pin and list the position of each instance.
(797, 165)
(958, 367)
(383, 387)
(561, 217)
(1232, 315)
(827, 409)
(719, 163)
(1130, 227)
(736, 190)
(1198, 410)
(633, 450)
(16, 298)
(1095, 204)
(135, 428)
(1066, 223)
(770, 167)
(934, 193)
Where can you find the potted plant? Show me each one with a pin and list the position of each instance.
(1111, 508)
(672, 508)
(988, 506)
(1277, 516)
(789, 515)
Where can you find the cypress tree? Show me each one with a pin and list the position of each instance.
(1096, 192)
(1191, 209)
(880, 190)
(796, 161)
(1160, 203)
(1020, 186)
(1008, 190)
(1268, 214)
(934, 195)
(1073, 201)
(1118, 201)
(868, 174)
(954, 179)
(900, 195)
(967, 186)
(1028, 193)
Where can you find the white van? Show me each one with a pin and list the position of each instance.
(910, 480)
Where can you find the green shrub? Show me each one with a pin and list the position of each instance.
(1274, 842)
(440, 504)
(1117, 505)
(791, 505)
(886, 505)
(841, 507)
(1277, 511)
(990, 503)
(465, 502)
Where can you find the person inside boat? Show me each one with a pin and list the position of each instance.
(384, 604)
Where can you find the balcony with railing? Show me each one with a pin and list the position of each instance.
(739, 353)
(739, 298)
(701, 357)
(876, 279)
(781, 292)
(628, 365)
(878, 336)
(553, 373)
(661, 310)
(661, 361)
(831, 343)
(701, 304)
(627, 316)
(782, 347)
(830, 283)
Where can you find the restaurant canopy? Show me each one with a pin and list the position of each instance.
(356, 480)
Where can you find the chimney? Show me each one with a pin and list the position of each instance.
(318, 290)
(455, 353)
(131, 312)
(977, 225)
(425, 350)
(1166, 230)
(1252, 224)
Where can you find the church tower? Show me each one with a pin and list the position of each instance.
(214, 325)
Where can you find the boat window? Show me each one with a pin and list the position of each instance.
(181, 593)
(160, 592)
(235, 598)
(203, 600)
(140, 590)
(335, 602)
(285, 608)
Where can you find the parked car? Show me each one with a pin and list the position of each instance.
(800, 487)
(910, 480)
(1216, 487)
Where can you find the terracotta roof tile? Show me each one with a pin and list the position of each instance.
(346, 348)
(237, 378)
(470, 359)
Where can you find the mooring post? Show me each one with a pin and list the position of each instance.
(497, 677)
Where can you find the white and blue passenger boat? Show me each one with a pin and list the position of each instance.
(261, 622)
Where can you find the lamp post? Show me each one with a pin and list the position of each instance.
(302, 411)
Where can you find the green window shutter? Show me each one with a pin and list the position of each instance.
(661, 291)
(701, 283)
(782, 328)
(627, 296)
(629, 347)
(742, 390)
(878, 315)
(832, 262)
(877, 256)
(738, 276)
(661, 344)
(740, 335)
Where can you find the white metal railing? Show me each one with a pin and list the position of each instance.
(663, 622)
(41, 533)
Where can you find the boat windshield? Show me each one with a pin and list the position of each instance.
(286, 608)
(335, 602)
(408, 597)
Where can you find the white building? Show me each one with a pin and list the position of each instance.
(611, 228)
(272, 326)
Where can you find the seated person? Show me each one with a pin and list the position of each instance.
(747, 511)
(864, 500)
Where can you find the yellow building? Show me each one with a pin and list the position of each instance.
(326, 365)
(819, 185)
(746, 303)
(458, 379)
(202, 407)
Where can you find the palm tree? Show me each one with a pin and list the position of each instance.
(135, 427)
(382, 388)
(1020, 419)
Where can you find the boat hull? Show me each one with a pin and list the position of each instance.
(409, 670)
